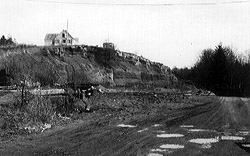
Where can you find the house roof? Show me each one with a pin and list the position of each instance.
(53, 36)
(50, 36)
(68, 35)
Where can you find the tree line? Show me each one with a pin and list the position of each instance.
(219, 70)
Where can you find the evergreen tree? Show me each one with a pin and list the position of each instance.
(220, 71)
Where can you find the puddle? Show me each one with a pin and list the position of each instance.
(172, 146)
(244, 132)
(246, 145)
(160, 131)
(201, 130)
(206, 146)
(142, 130)
(157, 125)
(154, 154)
(231, 138)
(226, 133)
(123, 125)
(245, 99)
(186, 126)
(204, 140)
(165, 151)
(158, 150)
(170, 135)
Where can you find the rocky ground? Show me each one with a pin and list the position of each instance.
(150, 124)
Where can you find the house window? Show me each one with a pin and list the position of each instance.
(63, 35)
(64, 41)
(69, 41)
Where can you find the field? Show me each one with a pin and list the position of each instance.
(142, 124)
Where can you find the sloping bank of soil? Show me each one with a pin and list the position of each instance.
(80, 64)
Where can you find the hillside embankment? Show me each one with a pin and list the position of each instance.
(80, 64)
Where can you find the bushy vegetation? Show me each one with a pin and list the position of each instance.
(29, 113)
(17, 116)
(6, 42)
(221, 71)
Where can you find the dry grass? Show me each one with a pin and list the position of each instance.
(34, 112)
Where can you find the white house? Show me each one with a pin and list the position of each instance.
(63, 38)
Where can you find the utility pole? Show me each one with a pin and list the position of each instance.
(67, 32)
(67, 24)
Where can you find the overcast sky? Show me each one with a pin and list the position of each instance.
(173, 34)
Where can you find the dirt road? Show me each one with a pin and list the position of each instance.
(219, 127)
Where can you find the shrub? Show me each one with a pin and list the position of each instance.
(40, 109)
